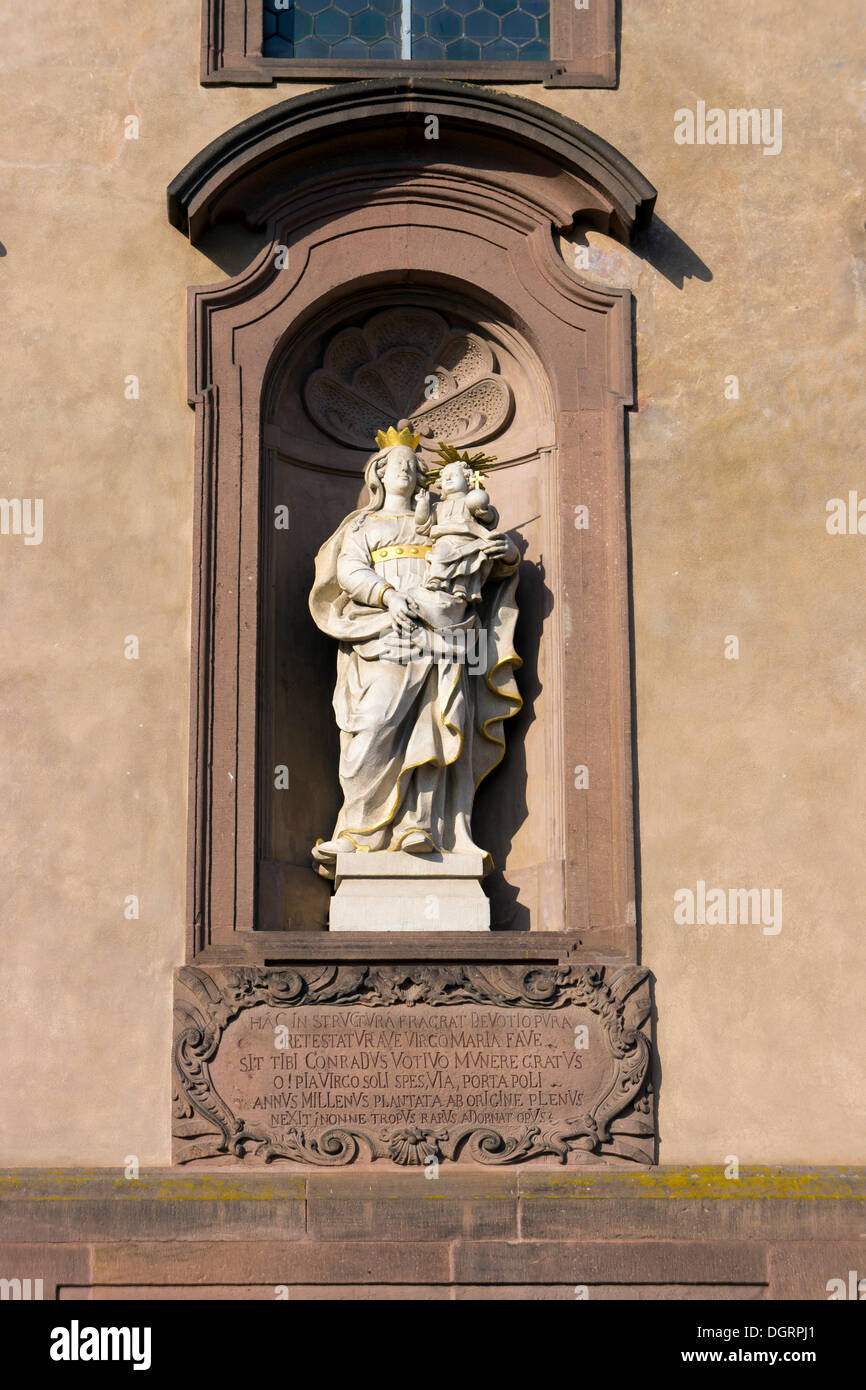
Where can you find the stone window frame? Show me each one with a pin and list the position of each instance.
(583, 47)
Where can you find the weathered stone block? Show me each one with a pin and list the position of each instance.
(610, 1262)
(270, 1262)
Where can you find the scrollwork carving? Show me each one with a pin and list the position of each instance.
(206, 1127)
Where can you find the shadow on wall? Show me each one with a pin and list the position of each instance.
(500, 807)
(231, 246)
(659, 246)
(667, 253)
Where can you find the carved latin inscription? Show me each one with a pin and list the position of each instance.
(330, 1065)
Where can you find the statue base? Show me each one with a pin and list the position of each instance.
(394, 891)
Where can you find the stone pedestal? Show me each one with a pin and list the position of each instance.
(409, 892)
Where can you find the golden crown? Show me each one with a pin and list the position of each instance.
(402, 435)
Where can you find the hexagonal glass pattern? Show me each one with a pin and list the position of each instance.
(442, 30)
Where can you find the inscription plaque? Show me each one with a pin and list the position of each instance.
(329, 1065)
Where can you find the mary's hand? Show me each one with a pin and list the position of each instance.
(402, 610)
(501, 547)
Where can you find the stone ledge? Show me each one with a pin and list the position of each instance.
(676, 1233)
(295, 1183)
(700, 1183)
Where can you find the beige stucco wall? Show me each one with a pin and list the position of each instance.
(749, 768)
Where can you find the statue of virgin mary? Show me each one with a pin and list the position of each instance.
(420, 725)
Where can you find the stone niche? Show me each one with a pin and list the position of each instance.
(362, 361)
(383, 260)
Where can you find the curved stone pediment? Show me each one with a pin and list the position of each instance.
(362, 136)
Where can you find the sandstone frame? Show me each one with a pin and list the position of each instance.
(583, 47)
(345, 179)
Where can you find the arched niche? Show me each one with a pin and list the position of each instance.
(360, 214)
(391, 341)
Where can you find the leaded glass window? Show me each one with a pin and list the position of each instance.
(424, 30)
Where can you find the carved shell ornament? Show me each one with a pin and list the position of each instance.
(409, 364)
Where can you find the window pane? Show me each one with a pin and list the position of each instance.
(442, 30)
(353, 29)
(467, 31)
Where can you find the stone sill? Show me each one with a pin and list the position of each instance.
(598, 946)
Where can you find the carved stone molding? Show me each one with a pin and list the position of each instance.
(247, 171)
(616, 1119)
(408, 363)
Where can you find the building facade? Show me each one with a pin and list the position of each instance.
(621, 248)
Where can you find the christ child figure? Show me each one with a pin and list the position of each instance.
(462, 530)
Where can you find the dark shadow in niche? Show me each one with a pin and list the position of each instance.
(617, 42)
(231, 246)
(500, 789)
(632, 652)
(2, 249)
(667, 253)
(655, 1066)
